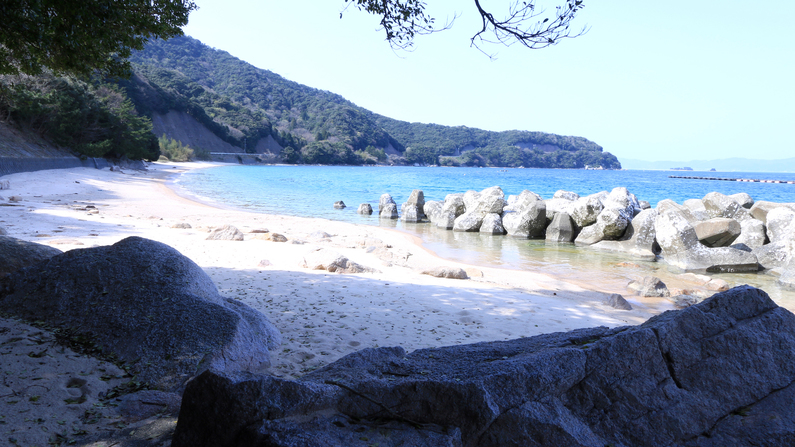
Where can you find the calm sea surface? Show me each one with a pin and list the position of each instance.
(310, 191)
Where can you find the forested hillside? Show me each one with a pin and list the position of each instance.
(242, 108)
(243, 104)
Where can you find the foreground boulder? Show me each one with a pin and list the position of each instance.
(16, 253)
(717, 373)
(148, 305)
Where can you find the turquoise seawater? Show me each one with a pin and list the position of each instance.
(310, 191)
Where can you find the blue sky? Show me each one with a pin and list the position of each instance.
(675, 80)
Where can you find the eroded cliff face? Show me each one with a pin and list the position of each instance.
(184, 128)
(22, 151)
(15, 143)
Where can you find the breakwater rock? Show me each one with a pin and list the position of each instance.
(717, 233)
(717, 373)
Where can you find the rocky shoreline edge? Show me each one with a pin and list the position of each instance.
(714, 234)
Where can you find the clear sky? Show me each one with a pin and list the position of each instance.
(651, 80)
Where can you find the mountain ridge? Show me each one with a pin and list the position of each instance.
(243, 104)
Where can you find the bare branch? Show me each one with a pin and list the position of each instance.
(532, 27)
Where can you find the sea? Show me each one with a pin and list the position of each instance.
(311, 191)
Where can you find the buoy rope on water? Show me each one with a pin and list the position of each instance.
(753, 180)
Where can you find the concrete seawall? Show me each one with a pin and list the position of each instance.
(12, 165)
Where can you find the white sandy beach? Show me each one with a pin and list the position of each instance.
(322, 316)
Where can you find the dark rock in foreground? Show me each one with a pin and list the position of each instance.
(146, 303)
(717, 373)
(16, 253)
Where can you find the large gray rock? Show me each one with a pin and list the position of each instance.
(619, 208)
(585, 210)
(561, 229)
(610, 225)
(527, 221)
(521, 202)
(478, 205)
(621, 198)
(761, 208)
(452, 208)
(613, 221)
(669, 205)
(718, 231)
(744, 199)
(696, 206)
(492, 224)
(413, 208)
(469, 221)
(567, 195)
(389, 211)
(558, 205)
(721, 205)
(16, 254)
(148, 305)
(589, 235)
(773, 255)
(385, 200)
(787, 278)
(365, 208)
(752, 233)
(490, 200)
(682, 378)
(471, 199)
(433, 210)
(781, 224)
(617, 301)
(639, 239)
(681, 248)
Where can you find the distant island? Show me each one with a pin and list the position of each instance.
(734, 164)
(682, 169)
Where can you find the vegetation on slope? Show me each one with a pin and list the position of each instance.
(242, 104)
(94, 118)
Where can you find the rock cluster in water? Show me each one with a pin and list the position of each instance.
(717, 233)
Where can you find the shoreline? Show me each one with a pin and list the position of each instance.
(145, 204)
(322, 316)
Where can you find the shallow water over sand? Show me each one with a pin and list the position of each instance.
(594, 269)
(310, 191)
